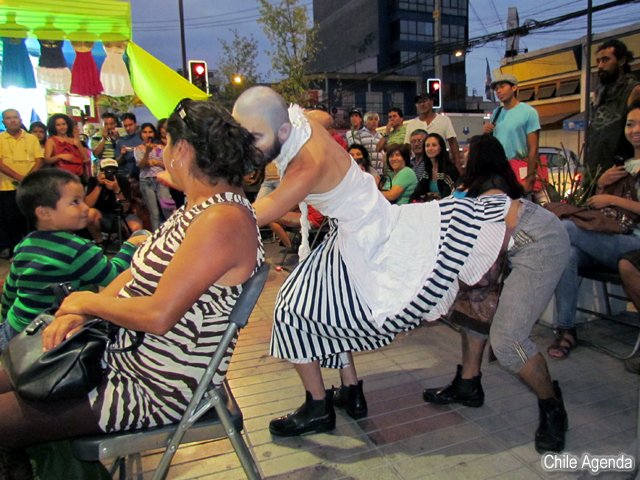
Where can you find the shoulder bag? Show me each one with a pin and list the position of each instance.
(70, 370)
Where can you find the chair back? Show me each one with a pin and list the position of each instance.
(251, 290)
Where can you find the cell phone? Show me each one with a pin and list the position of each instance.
(618, 161)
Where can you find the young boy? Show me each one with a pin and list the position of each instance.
(53, 201)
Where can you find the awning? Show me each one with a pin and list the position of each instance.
(551, 121)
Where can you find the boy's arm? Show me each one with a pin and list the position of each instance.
(95, 268)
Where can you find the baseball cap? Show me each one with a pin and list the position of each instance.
(355, 111)
(504, 78)
(108, 162)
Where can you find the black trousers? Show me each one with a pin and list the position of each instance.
(13, 225)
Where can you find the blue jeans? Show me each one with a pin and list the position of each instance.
(156, 197)
(537, 259)
(587, 248)
(7, 332)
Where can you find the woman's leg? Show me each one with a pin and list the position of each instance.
(150, 200)
(24, 423)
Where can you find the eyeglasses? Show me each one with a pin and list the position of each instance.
(182, 111)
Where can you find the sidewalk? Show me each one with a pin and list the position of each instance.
(403, 437)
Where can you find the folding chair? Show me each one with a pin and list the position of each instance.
(199, 422)
(604, 276)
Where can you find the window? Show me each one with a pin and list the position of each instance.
(569, 88)
(416, 5)
(348, 99)
(397, 99)
(526, 94)
(416, 31)
(374, 102)
(546, 91)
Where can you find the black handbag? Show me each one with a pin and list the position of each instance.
(70, 370)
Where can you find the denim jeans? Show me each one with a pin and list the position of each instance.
(7, 332)
(587, 248)
(537, 259)
(156, 197)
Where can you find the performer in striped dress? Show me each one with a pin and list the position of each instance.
(364, 284)
(181, 287)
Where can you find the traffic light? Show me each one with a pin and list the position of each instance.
(199, 74)
(435, 91)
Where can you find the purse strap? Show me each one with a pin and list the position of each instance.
(63, 290)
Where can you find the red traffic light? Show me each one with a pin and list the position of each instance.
(199, 74)
(435, 91)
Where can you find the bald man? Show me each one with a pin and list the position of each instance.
(362, 286)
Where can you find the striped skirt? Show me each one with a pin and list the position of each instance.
(319, 314)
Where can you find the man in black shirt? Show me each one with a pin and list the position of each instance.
(109, 195)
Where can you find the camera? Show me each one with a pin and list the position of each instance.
(110, 173)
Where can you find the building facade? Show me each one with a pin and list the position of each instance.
(391, 38)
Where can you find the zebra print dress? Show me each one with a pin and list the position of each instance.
(381, 270)
(152, 385)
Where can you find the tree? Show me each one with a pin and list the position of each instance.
(237, 69)
(294, 42)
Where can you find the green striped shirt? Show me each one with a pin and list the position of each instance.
(46, 258)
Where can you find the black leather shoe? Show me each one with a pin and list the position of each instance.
(467, 392)
(313, 416)
(553, 423)
(351, 398)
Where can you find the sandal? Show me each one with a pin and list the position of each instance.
(566, 340)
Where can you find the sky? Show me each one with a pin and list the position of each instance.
(156, 28)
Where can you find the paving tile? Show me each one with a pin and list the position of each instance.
(404, 438)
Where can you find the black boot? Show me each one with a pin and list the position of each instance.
(468, 392)
(351, 398)
(313, 416)
(553, 423)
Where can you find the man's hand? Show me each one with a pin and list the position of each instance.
(528, 183)
(112, 185)
(488, 127)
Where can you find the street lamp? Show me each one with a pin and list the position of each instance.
(237, 79)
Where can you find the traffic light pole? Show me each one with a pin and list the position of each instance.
(437, 36)
(185, 72)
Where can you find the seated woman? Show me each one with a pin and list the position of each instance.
(149, 158)
(63, 147)
(589, 248)
(537, 255)
(213, 242)
(440, 174)
(361, 155)
(402, 182)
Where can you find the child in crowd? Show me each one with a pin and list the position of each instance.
(53, 201)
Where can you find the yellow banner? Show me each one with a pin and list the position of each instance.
(159, 87)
